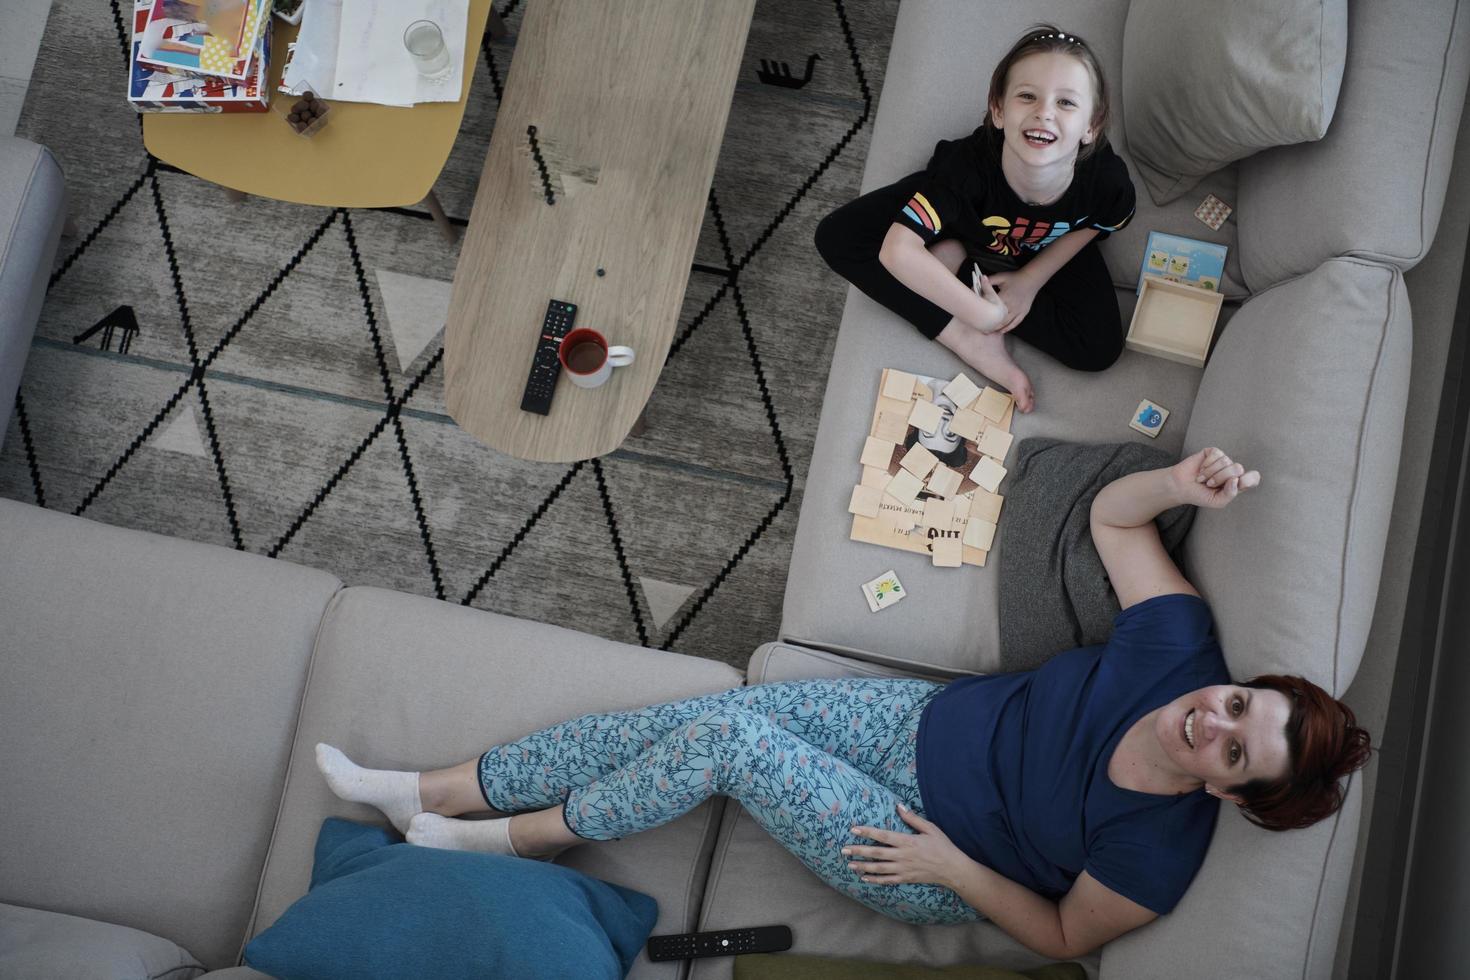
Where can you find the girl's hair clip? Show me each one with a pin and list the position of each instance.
(1069, 38)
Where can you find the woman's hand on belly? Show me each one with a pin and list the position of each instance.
(926, 856)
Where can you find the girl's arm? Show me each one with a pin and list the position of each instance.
(1019, 288)
(1123, 513)
(904, 255)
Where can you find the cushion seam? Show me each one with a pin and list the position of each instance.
(715, 817)
(718, 862)
(1434, 128)
(1348, 537)
(1322, 75)
(29, 183)
(1322, 880)
(178, 969)
(286, 783)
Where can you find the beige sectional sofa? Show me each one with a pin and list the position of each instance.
(159, 698)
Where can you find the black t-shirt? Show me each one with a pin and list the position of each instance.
(964, 195)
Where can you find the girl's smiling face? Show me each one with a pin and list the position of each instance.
(1048, 108)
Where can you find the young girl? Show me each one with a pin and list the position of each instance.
(1067, 804)
(999, 232)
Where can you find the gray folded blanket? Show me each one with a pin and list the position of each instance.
(1054, 591)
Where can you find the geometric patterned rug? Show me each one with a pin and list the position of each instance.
(268, 376)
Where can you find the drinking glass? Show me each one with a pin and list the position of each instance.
(425, 43)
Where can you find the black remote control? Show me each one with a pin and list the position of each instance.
(727, 942)
(545, 365)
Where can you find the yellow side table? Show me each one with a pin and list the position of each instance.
(367, 156)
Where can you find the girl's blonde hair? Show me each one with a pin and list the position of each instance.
(1044, 39)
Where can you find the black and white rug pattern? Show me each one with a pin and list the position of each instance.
(269, 376)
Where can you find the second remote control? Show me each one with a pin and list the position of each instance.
(545, 364)
(728, 942)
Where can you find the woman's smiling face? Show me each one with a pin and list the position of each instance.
(1227, 735)
(1048, 108)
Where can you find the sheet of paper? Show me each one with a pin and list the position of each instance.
(374, 66)
(314, 58)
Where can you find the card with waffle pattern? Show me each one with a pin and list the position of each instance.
(1213, 212)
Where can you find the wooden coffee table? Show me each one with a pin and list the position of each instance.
(366, 156)
(629, 102)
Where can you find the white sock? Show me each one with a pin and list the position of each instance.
(394, 792)
(487, 836)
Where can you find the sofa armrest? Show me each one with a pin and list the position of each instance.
(32, 211)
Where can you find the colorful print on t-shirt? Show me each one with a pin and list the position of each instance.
(1008, 237)
(920, 210)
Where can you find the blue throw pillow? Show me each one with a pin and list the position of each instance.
(381, 908)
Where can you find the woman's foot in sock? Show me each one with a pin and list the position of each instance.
(986, 353)
(394, 792)
(485, 836)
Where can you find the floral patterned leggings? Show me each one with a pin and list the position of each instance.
(808, 759)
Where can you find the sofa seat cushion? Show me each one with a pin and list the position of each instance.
(381, 908)
(406, 682)
(948, 621)
(36, 944)
(148, 691)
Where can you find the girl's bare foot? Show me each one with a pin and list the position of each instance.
(986, 353)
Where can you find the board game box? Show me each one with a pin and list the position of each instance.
(1178, 259)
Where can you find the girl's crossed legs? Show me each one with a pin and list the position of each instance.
(808, 760)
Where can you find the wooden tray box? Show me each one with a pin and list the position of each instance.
(1174, 321)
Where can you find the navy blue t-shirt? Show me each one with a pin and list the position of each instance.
(1014, 767)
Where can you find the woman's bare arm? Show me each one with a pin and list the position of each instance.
(1089, 915)
(1123, 515)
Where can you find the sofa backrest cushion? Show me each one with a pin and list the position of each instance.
(148, 691)
(1207, 83)
(1373, 186)
(1308, 385)
(36, 944)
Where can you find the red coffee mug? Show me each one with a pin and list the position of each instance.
(587, 358)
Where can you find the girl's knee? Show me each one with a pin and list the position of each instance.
(1100, 351)
(828, 237)
(1099, 358)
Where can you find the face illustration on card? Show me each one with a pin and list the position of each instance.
(1158, 260)
(1179, 265)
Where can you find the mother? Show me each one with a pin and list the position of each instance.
(1068, 804)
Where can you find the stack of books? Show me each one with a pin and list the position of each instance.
(200, 56)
